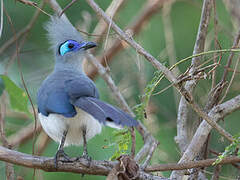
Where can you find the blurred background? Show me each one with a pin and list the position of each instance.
(169, 34)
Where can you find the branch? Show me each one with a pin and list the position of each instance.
(101, 27)
(142, 130)
(47, 164)
(24, 30)
(148, 10)
(182, 137)
(168, 74)
(199, 138)
(131, 42)
(191, 164)
(23, 134)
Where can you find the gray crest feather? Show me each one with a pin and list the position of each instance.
(60, 30)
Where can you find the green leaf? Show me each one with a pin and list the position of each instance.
(18, 98)
(229, 150)
(122, 141)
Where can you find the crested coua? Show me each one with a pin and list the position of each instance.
(69, 107)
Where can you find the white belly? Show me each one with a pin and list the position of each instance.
(54, 125)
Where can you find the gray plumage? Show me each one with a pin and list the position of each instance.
(68, 101)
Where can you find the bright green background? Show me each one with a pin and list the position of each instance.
(37, 61)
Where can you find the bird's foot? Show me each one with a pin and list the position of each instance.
(61, 156)
(86, 157)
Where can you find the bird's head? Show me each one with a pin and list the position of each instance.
(66, 42)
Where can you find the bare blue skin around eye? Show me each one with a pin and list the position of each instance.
(64, 47)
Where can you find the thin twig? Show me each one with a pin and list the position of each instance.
(201, 134)
(182, 137)
(111, 11)
(22, 78)
(27, 2)
(133, 148)
(68, 6)
(149, 9)
(24, 30)
(9, 170)
(230, 58)
(169, 75)
(231, 81)
(169, 38)
(216, 172)
(190, 164)
(42, 142)
(23, 135)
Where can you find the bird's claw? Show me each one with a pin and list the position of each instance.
(61, 156)
(86, 157)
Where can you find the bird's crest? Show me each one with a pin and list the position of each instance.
(61, 30)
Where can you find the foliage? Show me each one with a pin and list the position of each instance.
(122, 141)
(18, 98)
(233, 148)
(140, 108)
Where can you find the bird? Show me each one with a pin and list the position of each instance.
(69, 108)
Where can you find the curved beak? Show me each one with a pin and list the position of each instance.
(87, 45)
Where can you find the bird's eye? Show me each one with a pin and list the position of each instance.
(70, 45)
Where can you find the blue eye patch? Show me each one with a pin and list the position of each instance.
(69, 45)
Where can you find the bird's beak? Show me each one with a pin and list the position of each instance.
(87, 45)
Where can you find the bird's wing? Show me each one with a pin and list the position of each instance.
(58, 103)
(84, 95)
(61, 89)
(80, 86)
(105, 113)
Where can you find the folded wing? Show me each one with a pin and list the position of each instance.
(105, 113)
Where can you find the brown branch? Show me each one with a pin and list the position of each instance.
(230, 58)
(191, 164)
(117, 94)
(9, 170)
(24, 30)
(27, 2)
(23, 135)
(133, 148)
(218, 154)
(233, 7)
(216, 172)
(168, 74)
(182, 137)
(68, 6)
(101, 27)
(42, 142)
(149, 9)
(80, 166)
(200, 137)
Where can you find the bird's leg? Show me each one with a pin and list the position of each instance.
(60, 152)
(85, 153)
